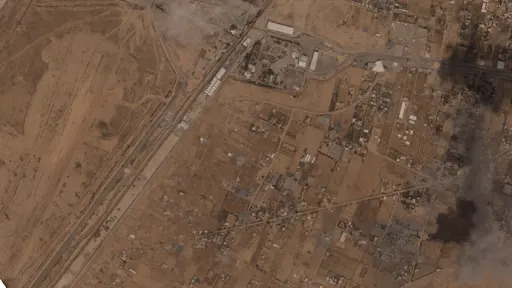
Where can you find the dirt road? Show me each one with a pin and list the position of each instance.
(82, 87)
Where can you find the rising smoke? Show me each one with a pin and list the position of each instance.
(192, 22)
(186, 21)
(486, 253)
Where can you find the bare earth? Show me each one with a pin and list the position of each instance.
(79, 87)
(180, 143)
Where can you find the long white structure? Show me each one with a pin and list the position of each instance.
(280, 28)
(2, 285)
(312, 66)
(220, 73)
(402, 110)
(215, 83)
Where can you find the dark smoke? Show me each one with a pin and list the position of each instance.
(472, 224)
(486, 251)
(456, 225)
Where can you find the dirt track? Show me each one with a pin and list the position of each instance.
(82, 86)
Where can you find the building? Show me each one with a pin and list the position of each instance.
(402, 110)
(501, 65)
(247, 41)
(280, 28)
(303, 61)
(312, 66)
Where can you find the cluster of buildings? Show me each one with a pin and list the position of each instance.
(315, 145)
(278, 60)
(381, 6)
(480, 35)
(410, 125)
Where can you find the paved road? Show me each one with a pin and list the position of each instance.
(83, 251)
(329, 207)
(362, 58)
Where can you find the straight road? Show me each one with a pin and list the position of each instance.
(80, 245)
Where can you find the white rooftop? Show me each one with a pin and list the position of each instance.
(501, 65)
(312, 66)
(280, 28)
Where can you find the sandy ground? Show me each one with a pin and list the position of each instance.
(353, 27)
(183, 198)
(89, 88)
(79, 87)
(197, 183)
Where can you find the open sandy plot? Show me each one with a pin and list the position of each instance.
(289, 12)
(315, 98)
(420, 8)
(211, 173)
(449, 277)
(350, 26)
(212, 181)
(320, 93)
(79, 87)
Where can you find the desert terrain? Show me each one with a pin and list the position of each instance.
(272, 143)
(80, 89)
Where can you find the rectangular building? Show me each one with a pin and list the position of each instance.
(402, 110)
(312, 66)
(280, 28)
